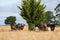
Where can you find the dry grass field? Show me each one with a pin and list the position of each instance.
(6, 34)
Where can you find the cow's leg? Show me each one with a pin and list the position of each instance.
(44, 28)
(49, 29)
(21, 28)
(40, 28)
(53, 28)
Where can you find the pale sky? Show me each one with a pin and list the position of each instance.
(9, 8)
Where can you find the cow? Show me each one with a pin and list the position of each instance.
(52, 26)
(13, 27)
(18, 26)
(41, 26)
(21, 26)
(38, 26)
(45, 26)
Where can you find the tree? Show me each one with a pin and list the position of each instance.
(32, 11)
(57, 9)
(10, 20)
(49, 16)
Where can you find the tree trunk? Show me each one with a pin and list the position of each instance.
(31, 26)
(11, 27)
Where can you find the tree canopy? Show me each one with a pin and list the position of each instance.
(10, 20)
(48, 16)
(32, 11)
(57, 9)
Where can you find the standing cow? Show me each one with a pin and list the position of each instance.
(18, 26)
(52, 26)
(41, 26)
(21, 26)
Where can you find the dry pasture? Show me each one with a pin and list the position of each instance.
(6, 34)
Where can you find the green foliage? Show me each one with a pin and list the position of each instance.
(49, 16)
(57, 9)
(10, 20)
(32, 11)
(31, 26)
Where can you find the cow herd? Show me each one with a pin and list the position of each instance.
(39, 26)
(45, 27)
(17, 26)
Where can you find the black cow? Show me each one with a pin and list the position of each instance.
(52, 26)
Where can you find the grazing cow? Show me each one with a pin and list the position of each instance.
(13, 27)
(18, 26)
(21, 26)
(45, 27)
(41, 26)
(52, 26)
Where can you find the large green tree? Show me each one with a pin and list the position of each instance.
(32, 11)
(10, 20)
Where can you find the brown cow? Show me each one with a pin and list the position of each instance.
(18, 26)
(42, 26)
(21, 26)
